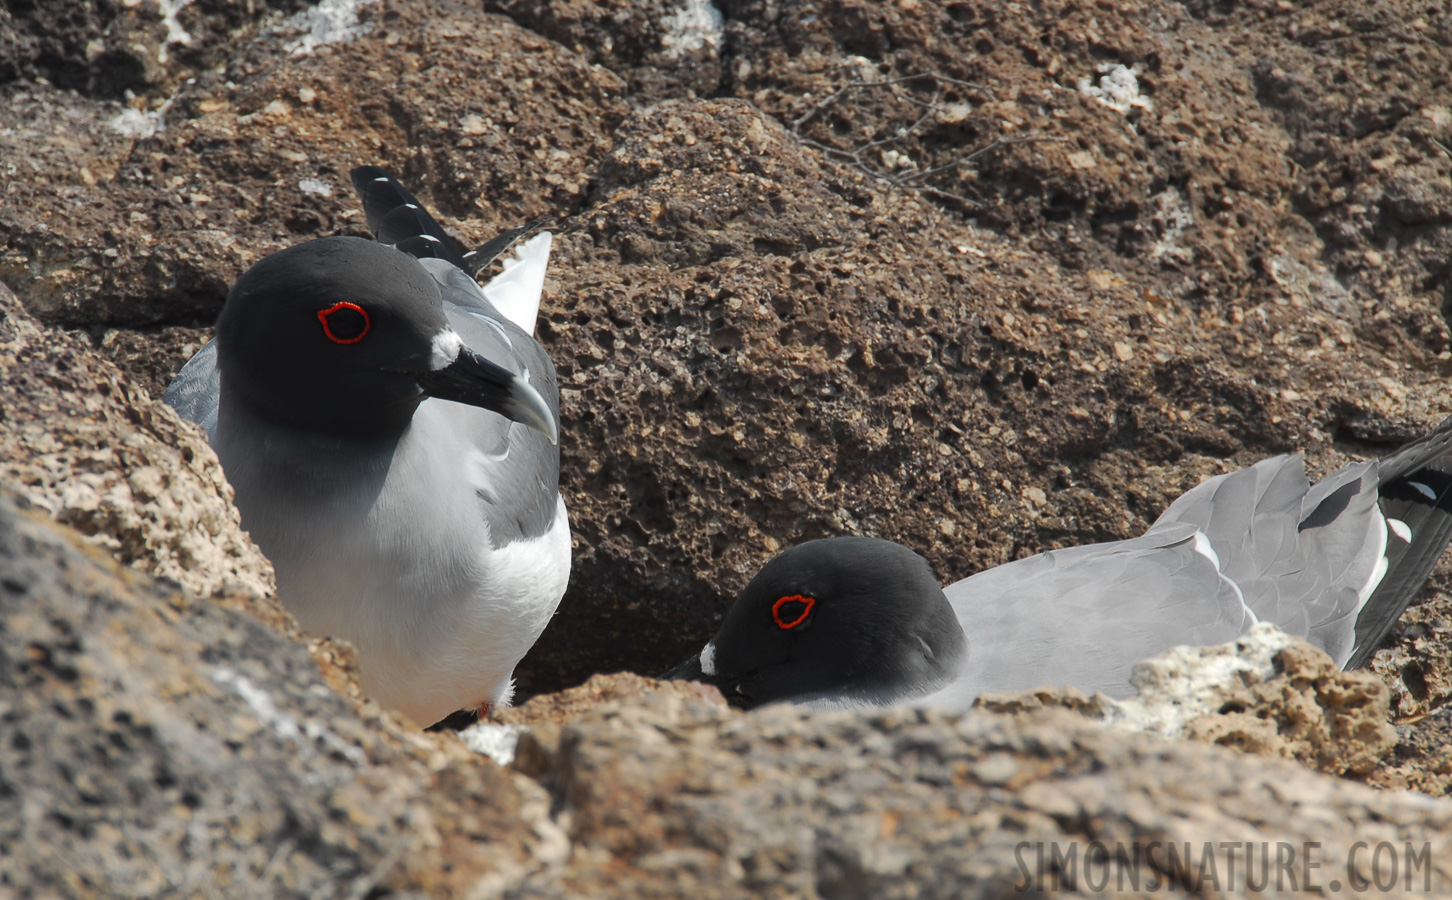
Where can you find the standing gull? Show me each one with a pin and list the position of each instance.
(391, 432)
(860, 622)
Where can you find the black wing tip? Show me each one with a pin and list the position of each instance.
(1422, 500)
(361, 175)
(382, 195)
(396, 217)
(480, 257)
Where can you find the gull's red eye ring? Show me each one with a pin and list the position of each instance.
(345, 323)
(796, 607)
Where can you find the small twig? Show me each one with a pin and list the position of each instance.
(914, 179)
(949, 195)
(1001, 142)
(859, 84)
(901, 133)
(972, 84)
(850, 86)
(364, 886)
(931, 105)
(834, 151)
(269, 871)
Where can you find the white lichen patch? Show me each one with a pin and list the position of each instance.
(498, 742)
(137, 124)
(1117, 87)
(1188, 682)
(306, 734)
(1172, 217)
(696, 25)
(1312, 287)
(315, 186)
(175, 33)
(330, 22)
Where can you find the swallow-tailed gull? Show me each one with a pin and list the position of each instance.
(859, 622)
(391, 432)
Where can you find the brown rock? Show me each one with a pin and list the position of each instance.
(501, 122)
(1312, 711)
(1422, 759)
(622, 687)
(1265, 694)
(105, 49)
(1014, 703)
(669, 796)
(766, 332)
(1418, 665)
(662, 49)
(165, 745)
(903, 269)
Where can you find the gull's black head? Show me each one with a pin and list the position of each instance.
(858, 620)
(348, 336)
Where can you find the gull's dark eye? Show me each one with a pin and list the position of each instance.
(789, 612)
(345, 323)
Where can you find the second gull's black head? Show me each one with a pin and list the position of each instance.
(857, 620)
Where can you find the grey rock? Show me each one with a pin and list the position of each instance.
(81, 442)
(671, 794)
(155, 745)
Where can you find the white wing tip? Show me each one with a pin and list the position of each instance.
(1400, 529)
(515, 292)
(536, 248)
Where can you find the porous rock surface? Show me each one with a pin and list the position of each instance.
(83, 442)
(676, 795)
(986, 279)
(1266, 693)
(156, 745)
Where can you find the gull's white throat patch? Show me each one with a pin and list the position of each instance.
(446, 347)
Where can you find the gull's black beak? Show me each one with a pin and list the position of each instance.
(690, 670)
(474, 380)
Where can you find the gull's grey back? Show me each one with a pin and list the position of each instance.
(1085, 615)
(520, 459)
(1302, 557)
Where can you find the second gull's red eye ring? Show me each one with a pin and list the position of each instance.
(784, 624)
(344, 325)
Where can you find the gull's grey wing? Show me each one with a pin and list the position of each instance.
(1304, 558)
(517, 468)
(193, 392)
(1336, 561)
(1085, 615)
